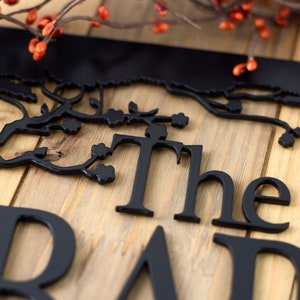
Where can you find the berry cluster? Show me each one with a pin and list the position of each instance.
(47, 28)
(251, 65)
(161, 10)
(236, 14)
(37, 48)
(283, 16)
(46, 25)
(231, 13)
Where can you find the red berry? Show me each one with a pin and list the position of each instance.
(264, 33)
(236, 16)
(58, 32)
(226, 25)
(37, 56)
(247, 6)
(95, 24)
(281, 21)
(161, 8)
(48, 29)
(219, 3)
(160, 28)
(259, 23)
(284, 12)
(11, 2)
(103, 13)
(43, 22)
(251, 64)
(239, 69)
(40, 48)
(32, 44)
(31, 16)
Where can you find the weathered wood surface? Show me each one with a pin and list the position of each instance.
(109, 243)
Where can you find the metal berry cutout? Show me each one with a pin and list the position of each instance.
(14, 90)
(65, 117)
(114, 117)
(179, 120)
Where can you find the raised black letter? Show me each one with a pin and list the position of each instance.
(244, 252)
(155, 256)
(194, 180)
(250, 196)
(59, 262)
(135, 205)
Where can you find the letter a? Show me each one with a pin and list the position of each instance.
(155, 256)
(59, 262)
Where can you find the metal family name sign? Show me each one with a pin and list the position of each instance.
(98, 72)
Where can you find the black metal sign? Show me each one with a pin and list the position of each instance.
(181, 72)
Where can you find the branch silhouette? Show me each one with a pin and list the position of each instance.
(64, 116)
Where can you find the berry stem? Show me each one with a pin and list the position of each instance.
(36, 7)
(252, 45)
(21, 24)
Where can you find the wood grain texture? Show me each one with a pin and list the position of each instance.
(109, 243)
(277, 280)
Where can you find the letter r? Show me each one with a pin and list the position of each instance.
(60, 259)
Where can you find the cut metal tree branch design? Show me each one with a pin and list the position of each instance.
(13, 90)
(63, 116)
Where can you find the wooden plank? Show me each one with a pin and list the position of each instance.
(17, 144)
(283, 164)
(11, 178)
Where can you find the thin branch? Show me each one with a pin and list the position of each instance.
(183, 18)
(253, 44)
(178, 15)
(210, 7)
(67, 8)
(290, 4)
(25, 10)
(20, 24)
